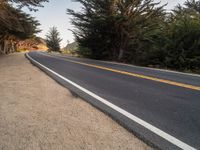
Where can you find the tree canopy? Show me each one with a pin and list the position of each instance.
(107, 27)
(140, 32)
(31, 4)
(53, 39)
(16, 24)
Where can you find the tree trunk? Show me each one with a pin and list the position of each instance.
(12, 48)
(114, 54)
(121, 54)
(6, 47)
(15, 47)
(1, 49)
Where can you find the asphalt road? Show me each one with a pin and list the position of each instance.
(160, 107)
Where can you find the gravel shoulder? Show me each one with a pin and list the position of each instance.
(36, 113)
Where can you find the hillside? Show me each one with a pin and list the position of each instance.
(71, 46)
(36, 43)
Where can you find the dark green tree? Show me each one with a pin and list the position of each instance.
(114, 29)
(139, 32)
(15, 25)
(94, 28)
(182, 44)
(53, 39)
(135, 21)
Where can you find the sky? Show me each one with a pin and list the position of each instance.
(54, 14)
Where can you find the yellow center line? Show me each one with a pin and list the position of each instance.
(139, 76)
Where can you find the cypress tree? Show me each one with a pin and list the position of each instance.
(53, 39)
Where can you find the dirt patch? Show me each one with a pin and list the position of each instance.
(36, 113)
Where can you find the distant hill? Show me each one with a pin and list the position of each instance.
(36, 43)
(72, 46)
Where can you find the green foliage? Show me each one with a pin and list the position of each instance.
(53, 39)
(14, 21)
(109, 28)
(15, 24)
(182, 38)
(184, 43)
(95, 30)
(139, 32)
(30, 4)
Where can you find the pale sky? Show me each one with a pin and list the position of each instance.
(54, 14)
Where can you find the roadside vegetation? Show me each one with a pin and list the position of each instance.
(16, 25)
(139, 32)
(53, 40)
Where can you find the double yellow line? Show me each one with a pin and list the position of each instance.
(192, 87)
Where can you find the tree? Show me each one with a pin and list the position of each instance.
(182, 37)
(15, 25)
(193, 4)
(94, 28)
(135, 21)
(139, 32)
(31, 4)
(115, 29)
(53, 39)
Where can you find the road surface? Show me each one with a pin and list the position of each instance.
(160, 107)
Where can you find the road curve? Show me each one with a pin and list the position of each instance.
(160, 107)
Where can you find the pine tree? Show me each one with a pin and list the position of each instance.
(94, 28)
(115, 29)
(53, 39)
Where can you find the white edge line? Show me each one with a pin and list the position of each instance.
(143, 123)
